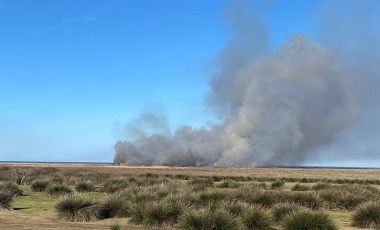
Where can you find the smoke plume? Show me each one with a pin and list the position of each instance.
(276, 108)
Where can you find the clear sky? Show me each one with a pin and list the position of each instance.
(73, 73)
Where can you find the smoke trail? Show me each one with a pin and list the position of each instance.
(275, 108)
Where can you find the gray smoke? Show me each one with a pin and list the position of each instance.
(276, 108)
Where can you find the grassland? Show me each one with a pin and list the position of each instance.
(137, 197)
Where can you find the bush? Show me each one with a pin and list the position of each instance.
(59, 190)
(278, 184)
(85, 186)
(6, 198)
(77, 208)
(367, 216)
(11, 187)
(300, 187)
(113, 206)
(308, 220)
(281, 211)
(39, 185)
(257, 219)
(209, 220)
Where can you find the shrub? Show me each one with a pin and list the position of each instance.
(11, 187)
(367, 216)
(209, 220)
(39, 185)
(308, 220)
(257, 219)
(85, 186)
(278, 184)
(77, 208)
(280, 211)
(59, 190)
(113, 206)
(6, 198)
(300, 187)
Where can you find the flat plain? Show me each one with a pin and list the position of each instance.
(260, 188)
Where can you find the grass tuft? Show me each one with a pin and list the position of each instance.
(308, 220)
(113, 206)
(39, 185)
(206, 219)
(77, 208)
(281, 211)
(59, 190)
(85, 186)
(367, 216)
(257, 219)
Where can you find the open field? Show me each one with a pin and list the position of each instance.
(162, 197)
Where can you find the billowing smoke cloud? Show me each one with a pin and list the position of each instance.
(275, 108)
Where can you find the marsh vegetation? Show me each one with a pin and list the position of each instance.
(163, 200)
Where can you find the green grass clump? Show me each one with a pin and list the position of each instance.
(236, 208)
(278, 184)
(200, 183)
(228, 184)
(6, 198)
(341, 198)
(281, 211)
(307, 220)
(207, 197)
(116, 184)
(306, 199)
(206, 219)
(11, 187)
(39, 185)
(77, 208)
(113, 206)
(115, 227)
(59, 190)
(300, 187)
(321, 186)
(162, 213)
(257, 219)
(367, 216)
(85, 186)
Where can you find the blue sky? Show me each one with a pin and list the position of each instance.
(73, 73)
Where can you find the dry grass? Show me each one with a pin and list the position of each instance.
(149, 185)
